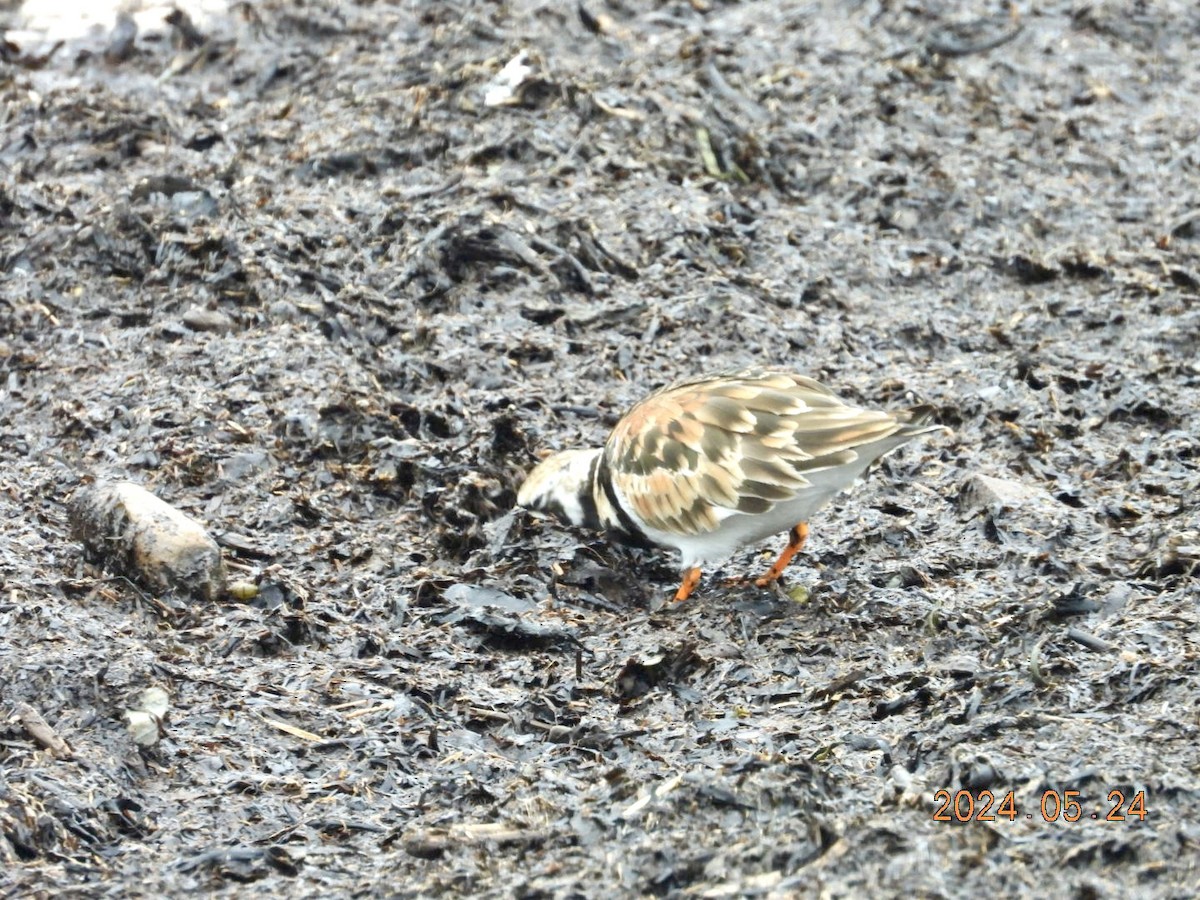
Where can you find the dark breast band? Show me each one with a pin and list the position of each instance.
(624, 529)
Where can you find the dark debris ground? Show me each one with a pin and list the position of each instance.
(306, 286)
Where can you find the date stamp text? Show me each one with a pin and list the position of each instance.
(1056, 806)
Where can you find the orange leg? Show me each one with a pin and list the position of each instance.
(691, 578)
(796, 540)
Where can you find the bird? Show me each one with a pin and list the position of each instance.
(711, 464)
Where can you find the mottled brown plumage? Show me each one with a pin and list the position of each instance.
(710, 464)
(741, 441)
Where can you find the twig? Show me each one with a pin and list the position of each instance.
(39, 729)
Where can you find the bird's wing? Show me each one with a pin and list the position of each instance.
(704, 449)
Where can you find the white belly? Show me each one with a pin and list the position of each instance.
(738, 530)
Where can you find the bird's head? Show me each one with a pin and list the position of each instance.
(562, 485)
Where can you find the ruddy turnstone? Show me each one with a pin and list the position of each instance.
(712, 464)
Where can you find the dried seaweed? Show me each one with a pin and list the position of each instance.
(292, 272)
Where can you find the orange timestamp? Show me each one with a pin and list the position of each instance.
(1065, 806)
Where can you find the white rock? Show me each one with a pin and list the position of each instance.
(983, 491)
